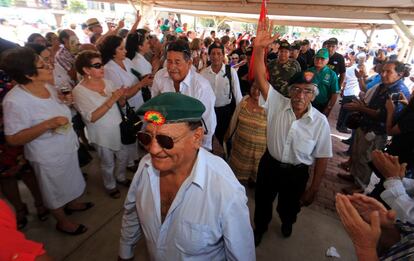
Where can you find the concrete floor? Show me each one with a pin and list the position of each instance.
(312, 235)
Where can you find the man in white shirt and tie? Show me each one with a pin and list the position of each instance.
(178, 76)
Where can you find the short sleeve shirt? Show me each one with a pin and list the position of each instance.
(337, 63)
(327, 82)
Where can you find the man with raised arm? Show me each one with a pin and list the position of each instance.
(298, 136)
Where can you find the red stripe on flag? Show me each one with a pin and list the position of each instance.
(262, 17)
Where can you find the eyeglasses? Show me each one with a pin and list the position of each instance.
(45, 66)
(96, 65)
(166, 142)
(297, 90)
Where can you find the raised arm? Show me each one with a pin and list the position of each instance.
(136, 23)
(263, 39)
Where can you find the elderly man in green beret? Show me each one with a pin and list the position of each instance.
(185, 201)
(327, 82)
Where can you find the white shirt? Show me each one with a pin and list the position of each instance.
(125, 78)
(295, 141)
(221, 85)
(104, 132)
(208, 219)
(193, 85)
(22, 110)
(141, 64)
(351, 82)
(398, 195)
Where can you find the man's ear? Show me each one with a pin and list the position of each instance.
(198, 137)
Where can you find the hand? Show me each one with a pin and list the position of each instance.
(327, 111)
(388, 165)
(264, 34)
(56, 122)
(137, 17)
(121, 24)
(389, 105)
(362, 234)
(118, 94)
(402, 99)
(355, 105)
(307, 197)
(366, 205)
(147, 80)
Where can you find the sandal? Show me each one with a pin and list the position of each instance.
(80, 230)
(115, 193)
(69, 211)
(21, 217)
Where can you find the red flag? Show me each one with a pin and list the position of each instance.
(262, 18)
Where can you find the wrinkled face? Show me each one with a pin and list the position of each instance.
(389, 75)
(186, 144)
(301, 96)
(283, 55)
(331, 48)
(320, 62)
(177, 66)
(216, 56)
(120, 52)
(73, 43)
(95, 69)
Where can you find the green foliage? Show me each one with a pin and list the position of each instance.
(315, 30)
(336, 31)
(206, 22)
(280, 29)
(76, 6)
(5, 3)
(223, 27)
(249, 27)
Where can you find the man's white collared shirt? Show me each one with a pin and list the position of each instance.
(208, 219)
(193, 85)
(295, 141)
(221, 85)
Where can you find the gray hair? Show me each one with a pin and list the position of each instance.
(315, 89)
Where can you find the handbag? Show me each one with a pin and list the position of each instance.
(130, 125)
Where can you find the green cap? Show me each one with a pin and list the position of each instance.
(171, 107)
(179, 30)
(322, 53)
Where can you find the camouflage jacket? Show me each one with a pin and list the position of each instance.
(280, 74)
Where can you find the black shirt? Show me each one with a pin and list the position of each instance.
(302, 63)
(337, 63)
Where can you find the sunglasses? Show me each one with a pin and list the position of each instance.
(96, 65)
(165, 142)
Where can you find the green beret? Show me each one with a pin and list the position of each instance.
(164, 27)
(171, 107)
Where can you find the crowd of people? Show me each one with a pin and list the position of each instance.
(62, 99)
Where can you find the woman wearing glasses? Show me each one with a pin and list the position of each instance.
(118, 69)
(95, 98)
(34, 116)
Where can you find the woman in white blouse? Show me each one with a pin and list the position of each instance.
(35, 116)
(96, 98)
(137, 45)
(118, 71)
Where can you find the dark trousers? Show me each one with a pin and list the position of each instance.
(275, 179)
(223, 116)
(320, 107)
(343, 113)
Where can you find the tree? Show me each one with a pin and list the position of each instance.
(336, 31)
(223, 26)
(5, 3)
(280, 29)
(76, 6)
(206, 22)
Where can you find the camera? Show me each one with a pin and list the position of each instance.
(395, 97)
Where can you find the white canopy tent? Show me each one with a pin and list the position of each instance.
(368, 15)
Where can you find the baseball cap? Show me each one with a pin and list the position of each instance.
(284, 45)
(322, 53)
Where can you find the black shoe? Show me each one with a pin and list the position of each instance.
(286, 229)
(69, 211)
(344, 130)
(257, 238)
(347, 141)
(80, 230)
